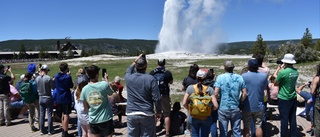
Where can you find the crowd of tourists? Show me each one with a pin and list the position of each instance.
(209, 100)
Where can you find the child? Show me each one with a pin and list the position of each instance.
(116, 109)
(83, 117)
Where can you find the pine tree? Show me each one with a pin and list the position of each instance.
(306, 40)
(22, 52)
(317, 46)
(259, 47)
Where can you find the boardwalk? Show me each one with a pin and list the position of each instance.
(22, 129)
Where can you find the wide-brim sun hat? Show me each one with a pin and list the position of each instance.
(289, 59)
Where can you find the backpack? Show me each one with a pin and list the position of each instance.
(200, 107)
(159, 75)
(26, 93)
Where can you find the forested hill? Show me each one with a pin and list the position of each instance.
(125, 47)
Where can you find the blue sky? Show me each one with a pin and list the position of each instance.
(242, 20)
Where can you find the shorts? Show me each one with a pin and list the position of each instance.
(18, 104)
(64, 108)
(104, 129)
(255, 116)
(166, 105)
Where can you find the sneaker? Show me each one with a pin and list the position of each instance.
(34, 129)
(51, 132)
(20, 116)
(187, 132)
(9, 124)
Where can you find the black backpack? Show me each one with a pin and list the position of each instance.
(159, 75)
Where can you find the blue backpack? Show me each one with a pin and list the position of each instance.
(159, 75)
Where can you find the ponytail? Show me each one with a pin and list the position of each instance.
(199, 85)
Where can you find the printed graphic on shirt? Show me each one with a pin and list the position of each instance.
(95, 98)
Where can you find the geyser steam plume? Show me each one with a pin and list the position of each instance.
(191, 26)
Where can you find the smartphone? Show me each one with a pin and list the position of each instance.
(104, 71)
(212, 71)
(8, 67)
(40, 65)
(279, 62)
(144, 56)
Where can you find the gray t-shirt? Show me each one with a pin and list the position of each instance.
(44, 85)
(190, 90)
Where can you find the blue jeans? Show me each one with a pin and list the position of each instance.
(214, 132)
(234, 116)
(141, 126)
(287, 109)
(200, 128)
(46, 104)
(309, 107)
(79, 129)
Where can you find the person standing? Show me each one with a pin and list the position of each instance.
(5, 118)
(95, 101)
(201, 125)
(29, 97)
(253, 108)
(143, 95)
(229, 85)
(190, 79)
(286, 79)
(63, 83)
(165, 91)
(262, 69)
(45, 85)
(316, 98)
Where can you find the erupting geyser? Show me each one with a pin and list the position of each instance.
(191, 26)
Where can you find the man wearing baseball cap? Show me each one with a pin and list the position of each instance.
(286, 79)
(44, 86)
(230, 85)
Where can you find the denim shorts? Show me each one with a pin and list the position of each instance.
(257, 117)
(18, 104)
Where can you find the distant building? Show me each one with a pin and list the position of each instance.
(35, 54)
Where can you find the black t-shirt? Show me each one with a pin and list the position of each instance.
(189, 81)
(4, 84)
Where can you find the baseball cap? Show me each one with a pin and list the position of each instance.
(289, 59)
(228, 64)
(202, 73)
(31, 68)
(45, 67)
(117, 79)
(253, 62)
(141, 63)
(82, 79)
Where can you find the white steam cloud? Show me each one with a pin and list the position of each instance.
(191, 26)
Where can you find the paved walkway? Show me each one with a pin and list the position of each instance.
(22, 129)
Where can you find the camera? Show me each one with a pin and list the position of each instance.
(309, 84)
(279, 62)
(143, 56)
(104, 71)
(212, 71)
